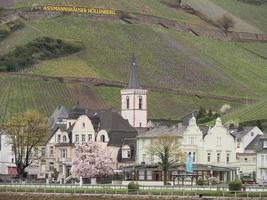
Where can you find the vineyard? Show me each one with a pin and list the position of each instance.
(253, 14)
(214, 9)
(248, 113)
(18, 95)
(166, 58)
(148, 7)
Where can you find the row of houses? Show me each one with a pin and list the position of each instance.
(216, 151)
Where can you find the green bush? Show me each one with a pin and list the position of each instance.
(235, 185)
(133, 187)
(200, 181)
(39, 49)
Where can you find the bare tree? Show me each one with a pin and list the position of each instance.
(167, 148)
(226, 22)
(26, 132)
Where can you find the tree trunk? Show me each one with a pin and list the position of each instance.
(165, 175)
(21, 173)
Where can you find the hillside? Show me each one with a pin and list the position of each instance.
(166, 58)
(248, 17)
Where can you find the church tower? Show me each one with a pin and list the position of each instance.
(134, 100)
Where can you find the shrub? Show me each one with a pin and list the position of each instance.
(200, 181)
(39, 49)
(133, 187)
(235, 185)
(213, 180)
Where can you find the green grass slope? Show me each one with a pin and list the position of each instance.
(167, 106)
(175, 59)
(148, 7)
(214, 9)
(255, 15)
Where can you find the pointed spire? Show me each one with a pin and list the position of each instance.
(133, 81)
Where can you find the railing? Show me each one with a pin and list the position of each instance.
(221, 190)
(214, 191)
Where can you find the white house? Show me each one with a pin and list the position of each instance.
(245, 148)
(262, 160)
(7, 158)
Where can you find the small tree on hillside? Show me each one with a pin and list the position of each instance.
(168, 149)
(91, 160)
(226, 22)
(26, 132)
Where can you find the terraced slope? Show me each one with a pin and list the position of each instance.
(248, 113)
(148, 7)
(253, 14)
(214, 9)
(18, 95)
(192, 62)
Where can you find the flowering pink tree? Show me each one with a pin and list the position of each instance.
(91, 160)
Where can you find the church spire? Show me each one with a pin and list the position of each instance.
(133, 81)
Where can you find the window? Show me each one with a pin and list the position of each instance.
(43, 151)
(83, 138)
(264, 144)
(218, 157)
(64, 139)
(140, 102)
(51, 166)
(83, 125)
(141, 175)
(58, 138)
(219, 141)
(228, 157)
(102, 138)
(76, 138)
(194, 156)
(63, 153)
(238, 144)
(127, 102)
(246, 159)
(51, 151)
(140, 124)
(89, 137)
(262, 160)
(208, 157)
(12, 160)
(149, 175)
(126, 152)
(252, 134)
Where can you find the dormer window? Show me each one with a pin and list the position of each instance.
(64, 139)
(58, 138)
(140, 102)
(83, 125)
(127, 102)
(126, 152)
(102, 138)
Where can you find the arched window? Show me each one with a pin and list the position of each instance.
(140, 102)
(102, 138)
(128, 102)
(64, 138)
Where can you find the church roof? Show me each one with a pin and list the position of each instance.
(133, 81)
